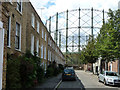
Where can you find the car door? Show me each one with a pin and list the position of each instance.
(101, 76)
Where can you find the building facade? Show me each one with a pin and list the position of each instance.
(114, 66)
(24, 30)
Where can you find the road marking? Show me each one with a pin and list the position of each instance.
(58, 85)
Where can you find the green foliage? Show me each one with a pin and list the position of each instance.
(53, 70)
(107, 44)
(89, 53)
(50, 71)
(24, 71)
(61, 68)
(109, 37)
(13, 75)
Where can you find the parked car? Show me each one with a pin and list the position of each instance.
(69, 67)
(68, 74)
(109, 78)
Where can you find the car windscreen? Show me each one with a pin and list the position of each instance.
(111, 74)
(68, 71)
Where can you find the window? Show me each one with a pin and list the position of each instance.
(37, 26)
(48, 41)
(45, 53)
(37, 47)
(42, 33)
(9, 31)
(33, 20)
(45, 36)
(18, 36)
(32, 44)
(19, 5)
(41, 51)
(48, 56)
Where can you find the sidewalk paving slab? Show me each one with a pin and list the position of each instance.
(50, 83)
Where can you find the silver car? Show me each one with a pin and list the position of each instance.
(109, 77)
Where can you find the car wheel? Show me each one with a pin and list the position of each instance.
(104, 82)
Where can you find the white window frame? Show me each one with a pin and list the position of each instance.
(41, 51)
(48, 41)
(19, 38)
(32, 44)
(33, 20)
(45, 37)
(42, 33)
(11, 1)
(2, 33)
(9, 32)
(110, 66)
(38, 26)
(48, 56)
(37, 47)
(44, 52)
(19, 2)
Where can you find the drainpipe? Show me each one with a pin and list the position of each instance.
(1, 52)
(118, 66)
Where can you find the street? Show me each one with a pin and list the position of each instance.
(86, 81)
(71, 84)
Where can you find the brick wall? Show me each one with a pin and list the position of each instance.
(24, 19)
(114, 65)
(5, 22)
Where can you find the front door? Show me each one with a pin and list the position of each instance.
(1, 52)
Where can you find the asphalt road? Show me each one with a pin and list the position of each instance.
(85, 81)
(71, 85)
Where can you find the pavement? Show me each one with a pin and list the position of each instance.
(90, 81)
(50, 83)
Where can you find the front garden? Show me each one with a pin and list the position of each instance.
(26, 71)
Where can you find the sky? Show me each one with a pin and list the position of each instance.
(47, 8)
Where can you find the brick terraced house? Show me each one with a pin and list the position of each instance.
(21, 29)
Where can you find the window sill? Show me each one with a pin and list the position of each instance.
(33, 27)
(18, 50)
(11, 3)
(38, 32)
(8, 46)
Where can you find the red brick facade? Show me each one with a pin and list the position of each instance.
(113, 66)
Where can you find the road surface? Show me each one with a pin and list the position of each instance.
(85, 81)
